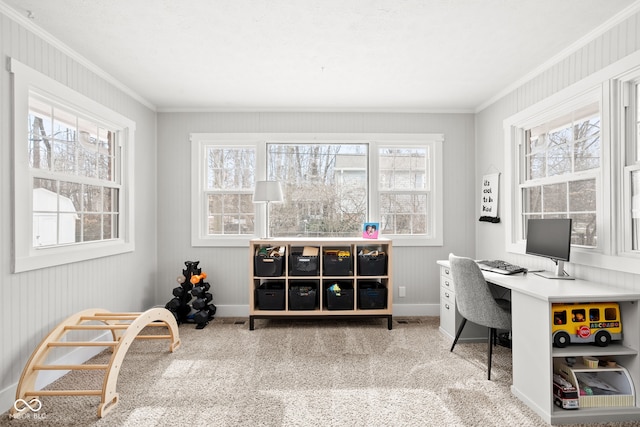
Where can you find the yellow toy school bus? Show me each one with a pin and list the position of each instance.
(598, 323)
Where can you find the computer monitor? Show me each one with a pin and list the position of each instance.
(550, 238)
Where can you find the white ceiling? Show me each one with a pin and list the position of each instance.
(321, 55)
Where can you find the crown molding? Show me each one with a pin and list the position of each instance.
(14, 15)
(565, 53)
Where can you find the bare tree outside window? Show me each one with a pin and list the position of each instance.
(230, 179)
(74, 189)
(325, 188)
(562, 159)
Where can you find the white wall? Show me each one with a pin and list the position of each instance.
(227, 268)
(613, 45)
(32, 303)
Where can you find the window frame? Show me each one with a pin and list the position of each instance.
(611, 223)
(26, 257)
(198, 209)
(627, 87)
(564, 179)
(515, 139)
(199, 192)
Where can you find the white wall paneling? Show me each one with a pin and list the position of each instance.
(617, 44)
(414, 268)
(34, 302)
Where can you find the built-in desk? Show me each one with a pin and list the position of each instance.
(532, 348)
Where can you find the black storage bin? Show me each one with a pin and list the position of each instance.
(371, 295)
(336, 263)
(303, 296)
(270, 295)
(268, 266)
(342, 300)
(369, 265)
(302, 265)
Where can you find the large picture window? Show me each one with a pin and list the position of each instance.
(73, 170)
(332, 184)
(325, 188)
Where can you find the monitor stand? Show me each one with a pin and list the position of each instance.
(558, 274)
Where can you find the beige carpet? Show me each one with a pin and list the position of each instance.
(300, 373)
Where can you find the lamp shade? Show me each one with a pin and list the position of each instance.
(268, 191)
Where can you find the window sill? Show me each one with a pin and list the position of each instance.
(52, 257)
(623, 263)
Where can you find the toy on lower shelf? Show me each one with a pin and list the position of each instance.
(565, 395)
(604, 386)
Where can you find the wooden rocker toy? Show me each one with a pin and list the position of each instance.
(124, 328)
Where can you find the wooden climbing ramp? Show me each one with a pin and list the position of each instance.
(124, 328)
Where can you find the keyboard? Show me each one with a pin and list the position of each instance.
(501, 267)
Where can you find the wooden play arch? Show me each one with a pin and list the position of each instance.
(124, 328)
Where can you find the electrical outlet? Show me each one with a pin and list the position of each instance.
(402, 291)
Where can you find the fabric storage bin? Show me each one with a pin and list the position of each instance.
(304, 262)
(268, 266)
(339, 300)
(270, 295)
(371, 295)
(303, 296)
(372, 265)
(337, 262)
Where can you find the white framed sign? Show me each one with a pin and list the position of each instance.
(489, 198)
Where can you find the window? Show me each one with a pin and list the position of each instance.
(72, 158)
(405, 190)
(557, 156)
(325, 188)
(577, 154)
(332, 184)
(561, 171)
(631, 164)
(229, 190)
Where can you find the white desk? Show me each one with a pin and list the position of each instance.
(533, 351)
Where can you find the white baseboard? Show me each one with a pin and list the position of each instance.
(398, 310)
(74, 357)
(416, 310)
(232, 311)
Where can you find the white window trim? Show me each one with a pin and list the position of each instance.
(627, 111)
(610, 225)
(259, 140)
(25, 256)
(199, 142)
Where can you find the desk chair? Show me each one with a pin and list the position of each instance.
(476, 303)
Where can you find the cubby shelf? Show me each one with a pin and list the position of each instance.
(365, 281)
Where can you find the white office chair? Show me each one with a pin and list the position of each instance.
(476, 303)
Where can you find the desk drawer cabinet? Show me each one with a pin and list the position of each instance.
(450, 319)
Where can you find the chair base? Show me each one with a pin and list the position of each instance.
(491, 341)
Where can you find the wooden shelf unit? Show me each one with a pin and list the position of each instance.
(357, 277)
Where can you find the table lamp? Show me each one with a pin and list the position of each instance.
(267, 192)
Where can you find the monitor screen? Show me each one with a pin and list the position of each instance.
(549, 237)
